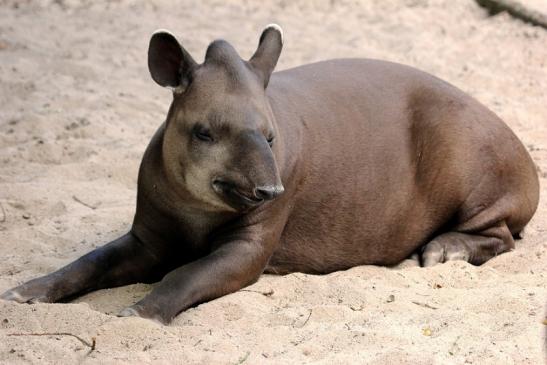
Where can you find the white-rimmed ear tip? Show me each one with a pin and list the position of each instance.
(161, 30)
(275, 26)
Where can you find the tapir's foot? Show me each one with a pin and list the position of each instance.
(470, 247)
(139, 311)
(442, 250)
(34, 291)
(128, 312)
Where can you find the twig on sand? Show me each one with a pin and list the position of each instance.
(84, 203)
(3, 216)
(243, 358)
(425, 305)
(516, 10)
(307, 319)
(86, 343)
(268, 293)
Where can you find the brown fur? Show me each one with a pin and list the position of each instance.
(377, 160)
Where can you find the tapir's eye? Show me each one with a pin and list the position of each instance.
(270, 140)
(203, 134)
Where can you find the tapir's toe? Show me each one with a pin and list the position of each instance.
(128, 312)
(137, 311)
(440, 251)
(433, 254)
(12, 295)
(16, 295)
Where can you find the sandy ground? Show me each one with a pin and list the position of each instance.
(77, 108)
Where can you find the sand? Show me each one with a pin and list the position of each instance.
(77, 108)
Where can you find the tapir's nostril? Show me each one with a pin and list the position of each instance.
(268, 192)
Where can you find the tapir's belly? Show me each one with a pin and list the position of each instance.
(388, 156)
(340, 229)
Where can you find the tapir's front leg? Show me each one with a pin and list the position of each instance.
(227, 269)
(120, 262)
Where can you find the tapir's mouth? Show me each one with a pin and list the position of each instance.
(234, 196)
(246, 198)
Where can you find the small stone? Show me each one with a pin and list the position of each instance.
(545, 322)
(26, 215)
(390, 298)
(426, 331)
(356, 308)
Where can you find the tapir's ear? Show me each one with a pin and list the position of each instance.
(269, 48)
(169, 63)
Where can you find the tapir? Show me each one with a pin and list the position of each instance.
(313, 169)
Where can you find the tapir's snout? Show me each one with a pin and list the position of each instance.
(268, 192)
(251, 177)
(244, 197)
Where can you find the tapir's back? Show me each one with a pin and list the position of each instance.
(387, 157)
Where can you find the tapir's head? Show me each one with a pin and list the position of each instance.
(220, 131)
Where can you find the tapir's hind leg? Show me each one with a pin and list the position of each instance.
(475, 248)
(120, 262)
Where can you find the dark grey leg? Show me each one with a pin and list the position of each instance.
(120, 262)
(227, 269)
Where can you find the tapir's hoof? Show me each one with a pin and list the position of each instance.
(443, 251)
(13, 296)
(20, 295)
(135, 311)
(128, 312)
